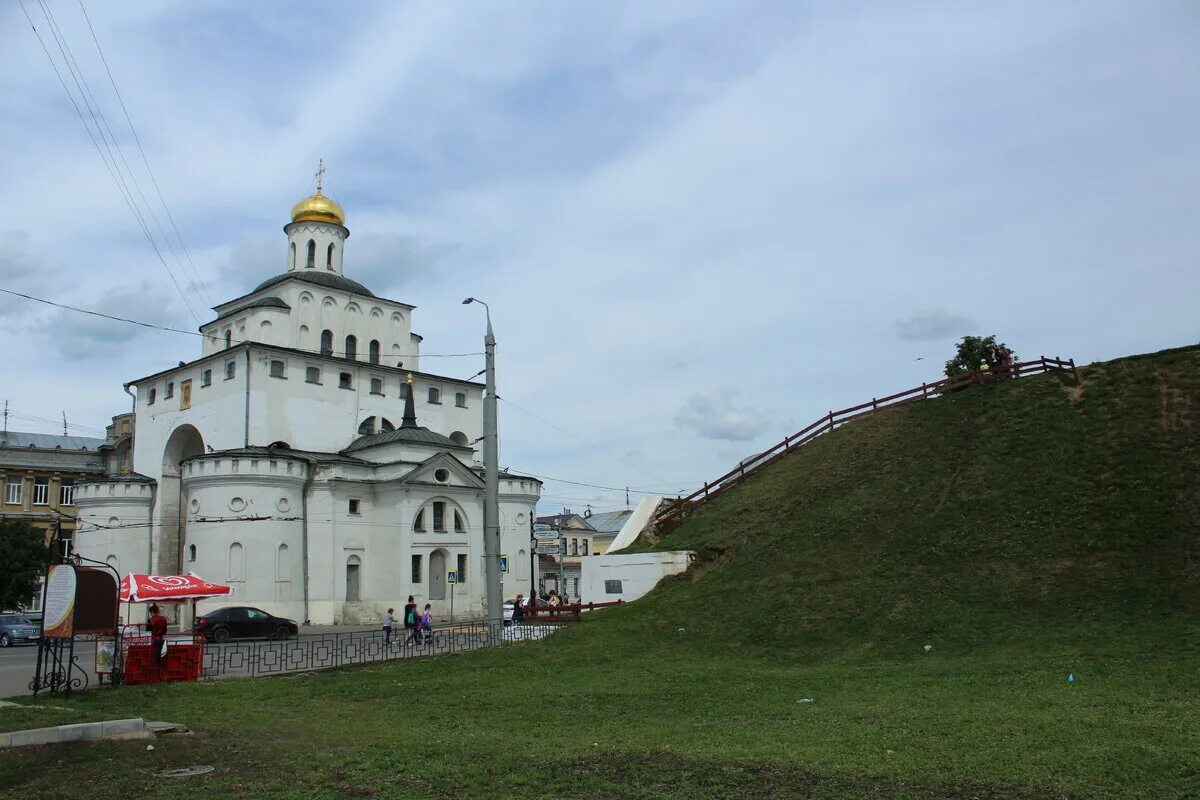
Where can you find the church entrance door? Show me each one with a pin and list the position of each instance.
(437, 575)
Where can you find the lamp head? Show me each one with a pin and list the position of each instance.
(468, 301)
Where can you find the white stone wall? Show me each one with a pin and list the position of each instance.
(638, 573)
(114, 519)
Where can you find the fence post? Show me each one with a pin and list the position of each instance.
(874, 404)
(1074, 371)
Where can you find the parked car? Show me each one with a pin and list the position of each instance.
(243, 622)
(16, 628)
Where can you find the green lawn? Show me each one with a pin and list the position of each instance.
(592, 713)
(1025, 531)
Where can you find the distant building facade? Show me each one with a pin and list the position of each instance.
(41, 472)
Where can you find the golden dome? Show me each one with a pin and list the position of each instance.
(318, 208)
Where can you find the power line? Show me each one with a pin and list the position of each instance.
(598, 486)
(113, 169)
(169, 329)
(559, 428)
(146, 161)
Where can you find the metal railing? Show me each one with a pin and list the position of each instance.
(252, 658)
(669, 518)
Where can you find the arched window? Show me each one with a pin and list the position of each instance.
(419, 522)
(283, 564)
(522, 566)
(115, 563)
(458, 437)
(326, 342)
(191, 552)
(434, 395)
(386, 425)
(373, 351)
(237, 562)
(367, 427)
(312, 254)
(351, 347)
(329, 257)
(458, 523)
(292, 256)
(228, 339)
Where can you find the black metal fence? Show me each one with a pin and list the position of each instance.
(319, 651)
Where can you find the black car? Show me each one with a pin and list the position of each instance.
(15, 628)
(243, 622)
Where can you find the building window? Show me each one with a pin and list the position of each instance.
(170, 392)
(354, 506)
(376, 386)
(373, 351)
(458, 523)
(460, 399)
(153, 395)
(230, 369)
(462, 567)
(583, 547)
(41, 491)
(228, 339)
(206, 378)
(612, 587)
(416, 569)
(12, 491)
(277, 369)
(312, 375)
(344, 381)
(439, 516)
(191, 552)
(418, 523)
(434, 395)
(351, 347)
(574, 547)
(66, 493)
(326, 342)
(312, 254)
(366, 427)
(329, 256)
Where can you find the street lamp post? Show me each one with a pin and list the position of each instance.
(491, 479)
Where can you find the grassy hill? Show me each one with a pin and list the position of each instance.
(1042, 509)
(1026, 531)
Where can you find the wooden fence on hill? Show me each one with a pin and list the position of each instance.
(671, 516)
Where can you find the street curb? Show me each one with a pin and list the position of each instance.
(78, 732)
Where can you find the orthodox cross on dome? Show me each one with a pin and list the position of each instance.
(320, 174)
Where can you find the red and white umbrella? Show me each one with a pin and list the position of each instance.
(140, 588)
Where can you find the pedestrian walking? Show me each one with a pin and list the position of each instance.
(410, 621)
(426, 624)
(518, 615)
(389, 622)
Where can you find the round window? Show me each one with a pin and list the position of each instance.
(237, 504)
(441, 475)
(194, 505)
(520, 519)
(283, 504)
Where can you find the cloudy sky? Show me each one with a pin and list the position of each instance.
(699, 225)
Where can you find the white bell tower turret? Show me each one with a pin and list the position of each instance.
(317, 233)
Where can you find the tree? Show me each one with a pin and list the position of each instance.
(975, 352)
(23, 552)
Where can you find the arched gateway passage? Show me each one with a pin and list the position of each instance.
(184, 442)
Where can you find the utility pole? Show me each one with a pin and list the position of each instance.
(491, 479)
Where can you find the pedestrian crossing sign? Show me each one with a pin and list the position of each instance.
(451, 577)
(503, 564)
